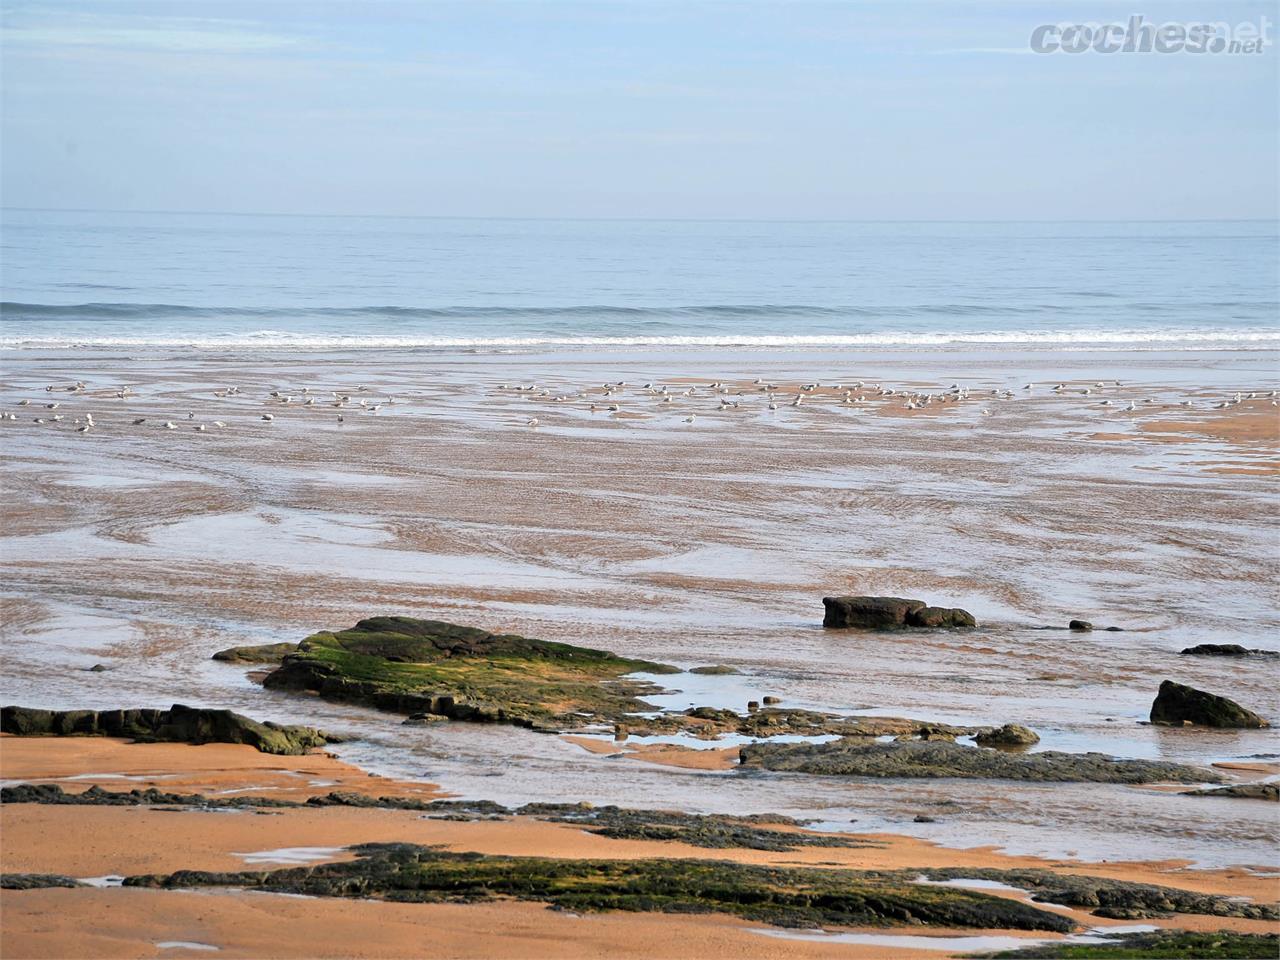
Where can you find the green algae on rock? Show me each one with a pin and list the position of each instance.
(36, 881)
(1105, 896)
(855, 757)
(265, 653)
(178, 724)
(783, 896)
(1157, 945)
(405, 665)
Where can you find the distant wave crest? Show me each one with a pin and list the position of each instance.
(328, 328)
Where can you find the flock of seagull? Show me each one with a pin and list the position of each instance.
(607, 397)
(856, 393)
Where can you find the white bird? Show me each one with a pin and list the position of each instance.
(219, 423)
(341, 419)
(690, 418)
(85, 429)
(24, 403)
(52, 406)
(532, 422)
(268, 417)
(169, 425)
(201, 428)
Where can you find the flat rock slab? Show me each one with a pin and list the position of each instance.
(855, 757)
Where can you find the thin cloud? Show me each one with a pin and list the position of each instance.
(172, 34)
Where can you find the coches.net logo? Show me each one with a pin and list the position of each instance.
(1138, 35)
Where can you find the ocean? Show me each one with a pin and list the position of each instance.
(210, 282)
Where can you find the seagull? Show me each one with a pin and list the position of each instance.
(219, 423)
(690, 418)
(532, 422)
(24, 403)
(169, 425)
(85, 429)
(268, 417)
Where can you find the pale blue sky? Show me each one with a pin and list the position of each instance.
(839, 110)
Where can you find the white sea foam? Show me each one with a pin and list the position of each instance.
(1234, 338)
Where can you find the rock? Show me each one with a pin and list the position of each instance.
(934, 617)
(35, 881)
(410, 666)
(791, 897)
(890, 613)
(856, 757)
(99, 668)
(753, 706)
(267, 653)
(1225, 650)
(1245, 791)
(1010, 735)
(1079, 625)
(423, 719)
(770, 701)
(717, 670)
(178, 724)
(1177, 704)
(921, 818)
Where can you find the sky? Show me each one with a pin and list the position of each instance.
(746, 110)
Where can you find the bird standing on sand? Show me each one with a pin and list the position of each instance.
(267, 417)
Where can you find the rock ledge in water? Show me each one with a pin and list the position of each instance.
(1225, 650)
(1177, 704)
(890, 613)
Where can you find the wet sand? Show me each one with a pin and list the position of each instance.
(146, 549)
(102, 841)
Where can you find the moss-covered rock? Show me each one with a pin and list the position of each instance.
(178, 724)
(783, 896)
(36, 881)
(1159, 945)
(266, 653)
(855, 757)
(410, 666)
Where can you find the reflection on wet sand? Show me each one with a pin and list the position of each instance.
(146, 549)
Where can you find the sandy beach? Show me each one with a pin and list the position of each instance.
(97, 842)
(144, 550)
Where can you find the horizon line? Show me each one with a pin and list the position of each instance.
(620, 219)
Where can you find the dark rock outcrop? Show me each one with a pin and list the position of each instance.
(856, 757)
(1225, 650)
(1177, 704)
(890, 613)
(178, 724)
(1245, 791)
(1079, 625)
(1010, 735)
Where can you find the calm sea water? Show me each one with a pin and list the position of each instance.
(97, 279)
